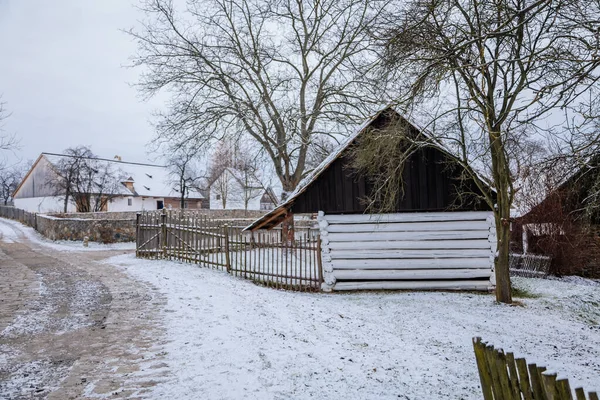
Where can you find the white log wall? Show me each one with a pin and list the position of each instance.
(445, 251)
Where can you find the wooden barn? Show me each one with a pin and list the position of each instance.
(441, 234)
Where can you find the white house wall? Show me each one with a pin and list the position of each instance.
(55, 204)
(137, 203)
(448, 250)
(50, 204)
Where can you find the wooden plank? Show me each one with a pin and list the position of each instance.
(413, 285)
(448, 263)
(407, 217)
(411, 226)
(580, 394)
(399, 236)
(484, 373)
(401, 254)
(434, 274)
(414, 244)
(564, 389)
(524, 384)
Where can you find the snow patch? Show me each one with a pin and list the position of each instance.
(228, 338)
(60, 245)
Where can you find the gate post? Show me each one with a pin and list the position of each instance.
(163, 232)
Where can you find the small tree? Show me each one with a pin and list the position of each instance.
(84, 180)
(7, 141)
(10, 178)
(484, 74)
(184, 171)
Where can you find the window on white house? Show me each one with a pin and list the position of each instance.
(218, 197)
(129, 202)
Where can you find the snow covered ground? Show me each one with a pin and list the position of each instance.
(230, 339)
(10, 235)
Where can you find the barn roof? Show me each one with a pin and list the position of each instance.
(277, 215)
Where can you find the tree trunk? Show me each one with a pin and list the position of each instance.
(501, 173)
(66, 202)
(182, 199)
(287, 229)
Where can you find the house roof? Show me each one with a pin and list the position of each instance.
(277, 215)
(148, 180)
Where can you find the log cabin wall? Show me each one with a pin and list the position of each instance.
(435, 251)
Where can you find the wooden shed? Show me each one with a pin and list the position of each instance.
(430, 241)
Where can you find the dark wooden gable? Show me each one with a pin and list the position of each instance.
(432, 182)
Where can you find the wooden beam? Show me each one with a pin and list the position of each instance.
(479, 285)
(412, 274)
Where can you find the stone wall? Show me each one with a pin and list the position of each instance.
(109, 215)
(97, 230)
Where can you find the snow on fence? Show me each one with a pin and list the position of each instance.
(17, 214)
(259, 256)
(505, 378)
(529, 265)
(443, 250)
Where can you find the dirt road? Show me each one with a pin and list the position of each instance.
(73, 327)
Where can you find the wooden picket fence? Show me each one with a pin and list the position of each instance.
(263, 257)
(505, 378)
(17, 214)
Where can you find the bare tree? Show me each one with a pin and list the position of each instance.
(237, 175)
(222, 158)
(184, 170)
(10, 178)
(280, 73)
(84, 180)
(484, 75)
(7, 141)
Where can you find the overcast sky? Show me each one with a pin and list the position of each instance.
(62, 77)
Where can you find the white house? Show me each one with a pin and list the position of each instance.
(136, 187)
(235, 189)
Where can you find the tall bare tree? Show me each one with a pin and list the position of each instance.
(484, 75)
(280, 73)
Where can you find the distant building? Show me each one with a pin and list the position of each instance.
(234, 189)
(136, 187)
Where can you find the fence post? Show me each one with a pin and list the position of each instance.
(163, 231)
(137, 234)
(319, 262)
(226, 238)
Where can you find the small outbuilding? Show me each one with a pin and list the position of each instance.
(441, 234)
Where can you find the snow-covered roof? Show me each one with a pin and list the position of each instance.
(148, 180)
(314, 174)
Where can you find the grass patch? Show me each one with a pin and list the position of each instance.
(523, 293)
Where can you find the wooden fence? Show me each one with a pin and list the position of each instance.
(505, 378)
(529, 265)
(260, 256)
(19, 215)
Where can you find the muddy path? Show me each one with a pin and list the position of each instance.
(73, 326)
